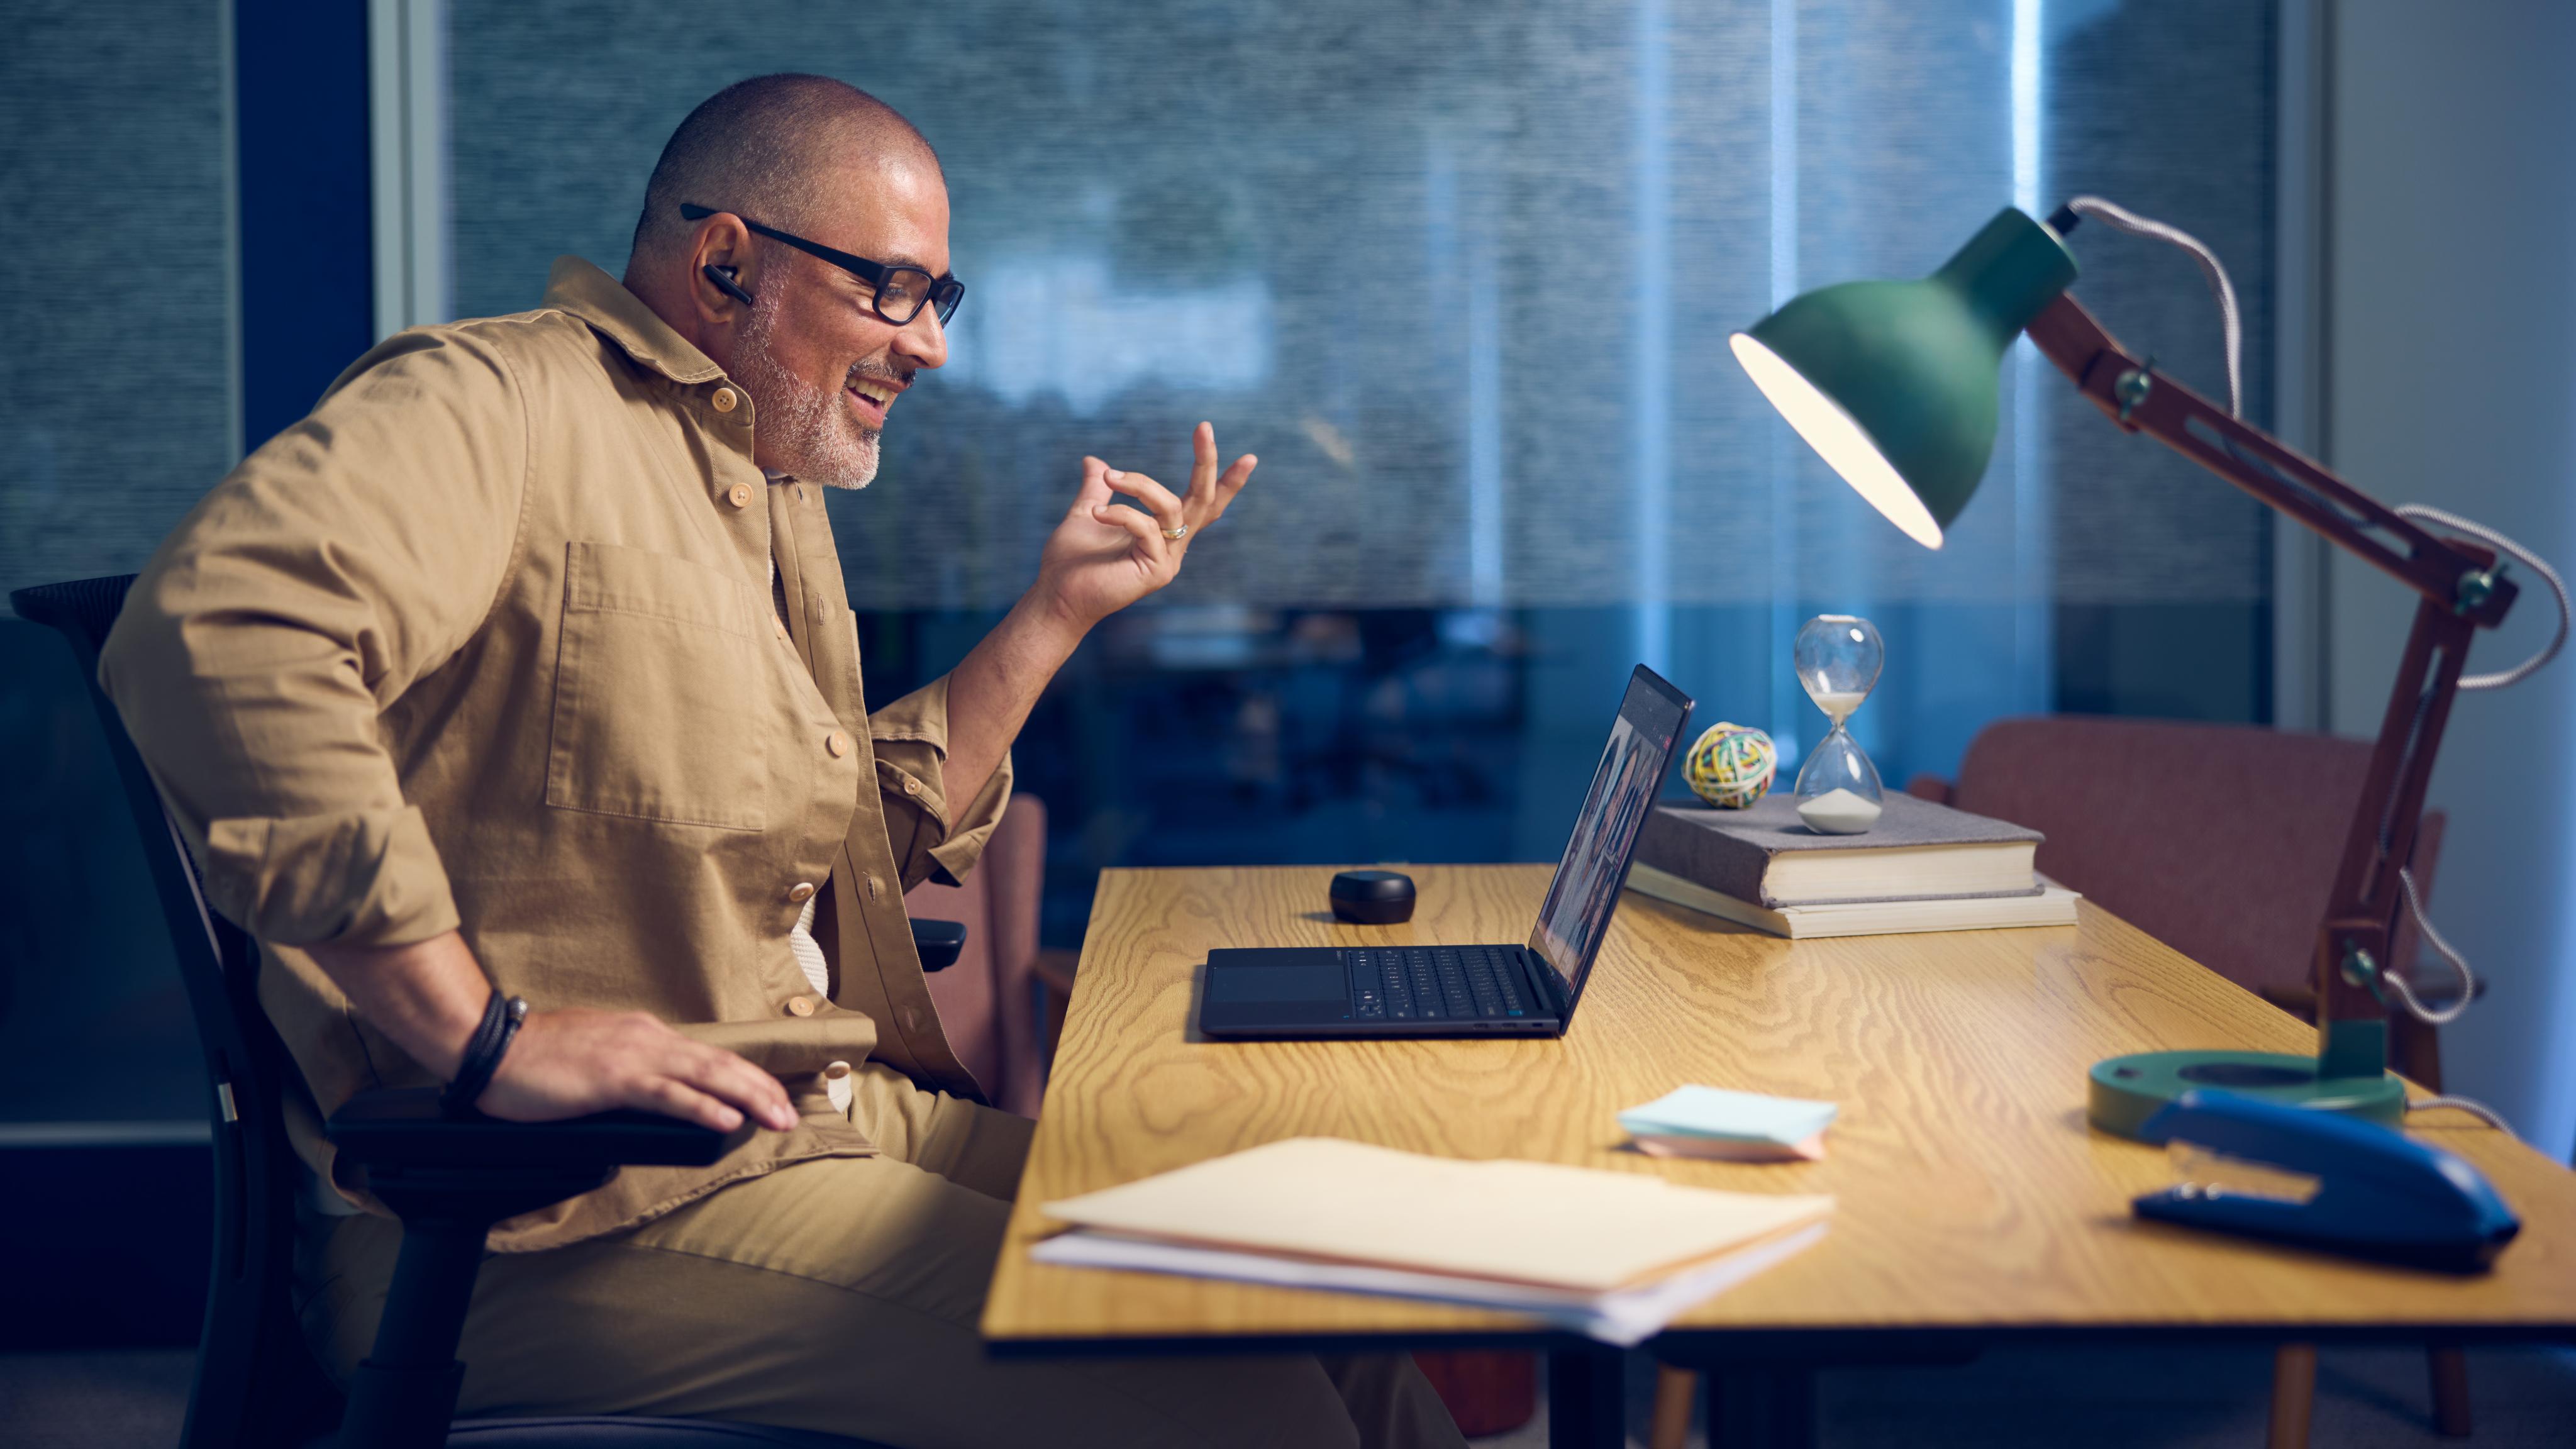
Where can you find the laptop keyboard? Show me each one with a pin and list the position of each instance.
(1435, 983)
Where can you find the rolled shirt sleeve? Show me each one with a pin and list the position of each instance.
(930, 841)
(345, 559)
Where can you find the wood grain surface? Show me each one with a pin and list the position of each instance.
(1971, 1193)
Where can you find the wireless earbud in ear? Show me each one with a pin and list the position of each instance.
(723, 277)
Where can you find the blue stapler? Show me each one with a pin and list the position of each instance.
(2324, 1181)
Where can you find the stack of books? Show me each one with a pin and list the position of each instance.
(1614, 1255)
(1922, 867)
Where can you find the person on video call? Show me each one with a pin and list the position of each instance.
(524, 668)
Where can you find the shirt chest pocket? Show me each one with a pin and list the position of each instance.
(658, 688)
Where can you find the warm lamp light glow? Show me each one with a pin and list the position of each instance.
(1838, 439)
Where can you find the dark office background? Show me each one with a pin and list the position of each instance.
(1460, 273)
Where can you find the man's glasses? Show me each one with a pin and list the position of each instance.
(901, 292)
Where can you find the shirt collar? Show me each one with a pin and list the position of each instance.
(583, 290)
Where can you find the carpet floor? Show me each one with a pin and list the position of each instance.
(2024, 1398)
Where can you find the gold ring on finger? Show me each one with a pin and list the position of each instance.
(1177, 534)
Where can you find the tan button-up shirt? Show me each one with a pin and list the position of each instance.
(487, 642)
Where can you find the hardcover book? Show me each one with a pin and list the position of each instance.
(1767, 856)
(2053, 906)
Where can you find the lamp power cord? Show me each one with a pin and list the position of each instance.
(2118, 217)
(2215, 272)
(2470, 1105)
(2440, 518)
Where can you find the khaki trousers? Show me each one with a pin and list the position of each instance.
(842, 1295)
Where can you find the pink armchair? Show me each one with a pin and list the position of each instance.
(988, 1000)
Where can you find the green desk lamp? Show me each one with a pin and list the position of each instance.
(1894, 383)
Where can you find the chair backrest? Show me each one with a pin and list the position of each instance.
(2219, 840)
(988, 1000)
(256, 1382)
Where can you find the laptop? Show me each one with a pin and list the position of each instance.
(1306, 992)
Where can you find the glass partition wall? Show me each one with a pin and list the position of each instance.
(1462, 275)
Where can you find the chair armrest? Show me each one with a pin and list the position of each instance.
(939, 943)
(404, 1127)
(450, 1179)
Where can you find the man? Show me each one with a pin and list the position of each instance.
(523, 668)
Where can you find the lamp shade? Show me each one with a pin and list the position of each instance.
(1894, 383)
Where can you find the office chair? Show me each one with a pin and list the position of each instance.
(257, 1384)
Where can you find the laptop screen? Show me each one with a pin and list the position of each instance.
(1624, 786)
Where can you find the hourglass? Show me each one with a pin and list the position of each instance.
(1838, 659)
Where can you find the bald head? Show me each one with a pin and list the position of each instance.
(769, 148)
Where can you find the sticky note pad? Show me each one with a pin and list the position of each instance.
(1731, 1149)
(1715, 1112)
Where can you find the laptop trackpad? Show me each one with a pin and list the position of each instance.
(1246, 985)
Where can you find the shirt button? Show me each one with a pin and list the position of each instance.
(912, 1018)
(836, 1071)
(739, 495)
(911, 786)
(800, 1006)
(838, 743)
(725, 399)
(800, 893)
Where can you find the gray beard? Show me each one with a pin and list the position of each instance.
(808, 432)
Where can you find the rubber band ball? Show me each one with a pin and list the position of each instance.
(1731, 765)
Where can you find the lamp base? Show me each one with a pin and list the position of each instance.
(2128, 1090)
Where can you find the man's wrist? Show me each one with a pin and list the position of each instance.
(483, 1052)
(1055, 626)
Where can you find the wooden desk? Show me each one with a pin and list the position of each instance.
(1972, 1198)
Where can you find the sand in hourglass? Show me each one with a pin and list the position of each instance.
(1839, 812)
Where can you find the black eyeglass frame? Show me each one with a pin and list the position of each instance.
(944, 293)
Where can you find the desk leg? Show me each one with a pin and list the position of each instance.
(1584, 1389)
(1767, 1408)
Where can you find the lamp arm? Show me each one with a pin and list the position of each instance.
(2458, 576)
(2460, 589)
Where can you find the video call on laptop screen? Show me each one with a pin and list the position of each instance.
(1624, 786)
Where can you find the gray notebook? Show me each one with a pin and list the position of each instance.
(1765, 854)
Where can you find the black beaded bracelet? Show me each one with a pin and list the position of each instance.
(483, 1052)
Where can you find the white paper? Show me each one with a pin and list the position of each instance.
(1624, 1317)
(1353, 1202)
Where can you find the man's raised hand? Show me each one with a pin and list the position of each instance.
(1105, 555)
